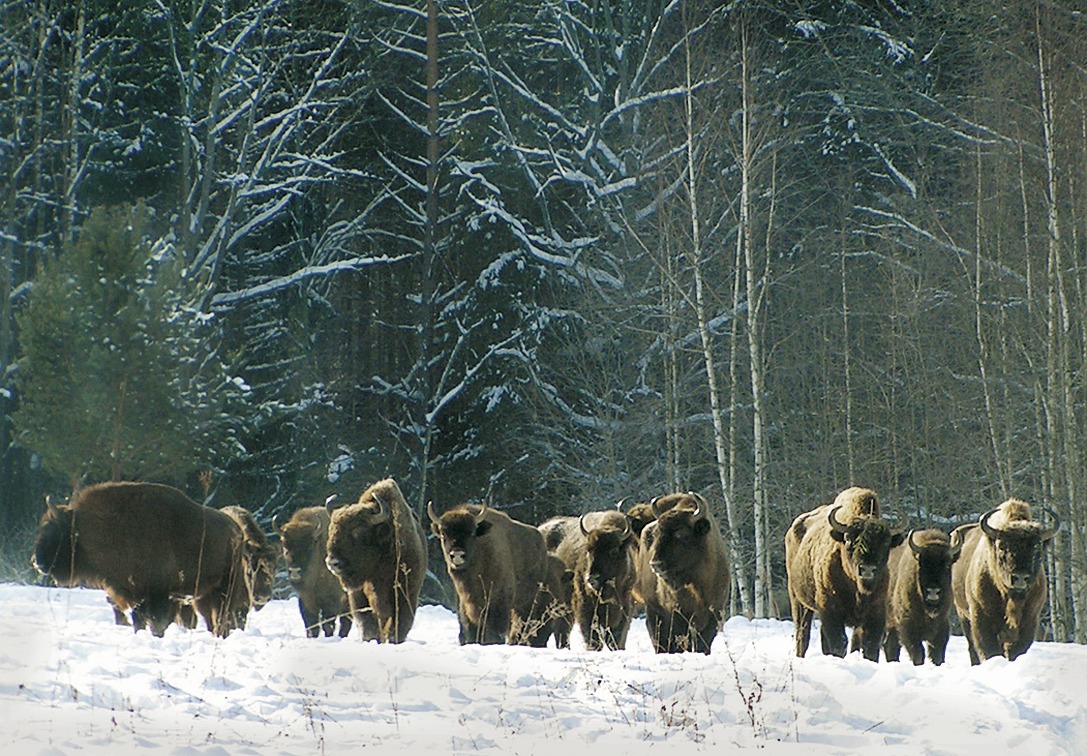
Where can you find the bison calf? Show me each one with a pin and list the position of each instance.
(999, 581)
(321, 597)
(683, 575)
(919, 596)
(600, 551)
(502, 573)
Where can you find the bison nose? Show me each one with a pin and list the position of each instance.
(933, 595)
(457, 558)
(1020, 581)
(333, 564)
(294, 573)
(867, 572)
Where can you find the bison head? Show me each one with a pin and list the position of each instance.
(1017, 549)
(608, 557)
(301, 542)
(866, 544)
(54, 548)
(458, 530)
(675, 541)
(934, 555)
(360, 537)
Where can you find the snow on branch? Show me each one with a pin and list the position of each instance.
(313, 271)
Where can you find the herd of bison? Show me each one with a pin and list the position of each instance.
(162, 558)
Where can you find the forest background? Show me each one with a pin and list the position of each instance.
(551, 255)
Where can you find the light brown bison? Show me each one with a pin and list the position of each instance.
(321, 597)
(683, 574)
(919, 596)
(836, 562)
(999, 581)
(261, 559)
(377, 548)
(502, 574)
(151, 549)
(600, 551)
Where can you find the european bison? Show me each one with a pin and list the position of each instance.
(999, 581)
(502, 574)
(377, 548)
(321, 597)
(919, 596)
(151, 549)
(683, 574)
(261, 560)
(600, 551)
(836, 562)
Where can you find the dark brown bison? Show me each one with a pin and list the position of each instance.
(600, 551)
(261, 559)
(377, 548)
(321, 597)
(836, 562)
(919, 596)
(151, 549)
(999, 581)
(502, 574)
(683, 574)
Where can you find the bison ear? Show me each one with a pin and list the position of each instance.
(898, 537)
(701, 527)
(837, 535)
(482, 528)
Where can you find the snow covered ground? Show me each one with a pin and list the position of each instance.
(71, 680)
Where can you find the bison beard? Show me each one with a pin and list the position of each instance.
(152, 549)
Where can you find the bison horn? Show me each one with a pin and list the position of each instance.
(986, 528)
(913, 545)
(703, 506)
(581, 524)
(625, 534)
(329, 502)
(382, 513)
(653, 503)
(482, 513)
(1051, 531)
(431, 514)
(278, 521)
(834, 524)
(956, 544)
(621, 503)
(50, 507)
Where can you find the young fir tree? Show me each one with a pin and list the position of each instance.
(119, 376)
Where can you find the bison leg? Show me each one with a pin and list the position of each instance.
(986, 643)
(892, 648)
(967, 630)
(654, 623)
(802, 617)
(363, 616)
(937, 646)
(311, 620)
(832, 635)
(869, 638)
(915, 648)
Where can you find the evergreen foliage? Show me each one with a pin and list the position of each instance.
(120, 376)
